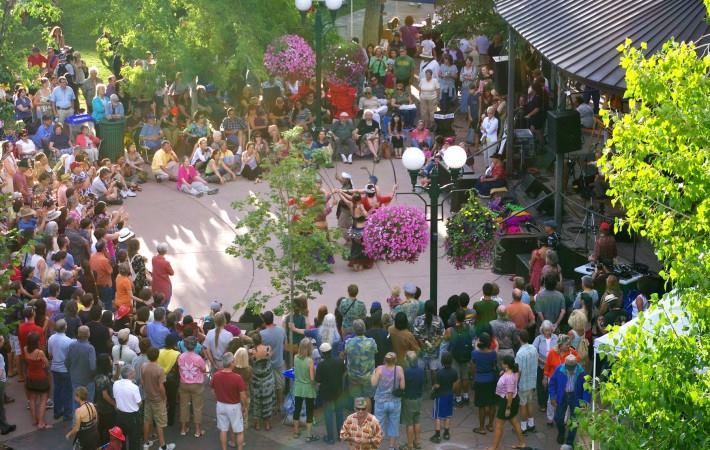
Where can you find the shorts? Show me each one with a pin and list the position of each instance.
(444, 406)
(156, 411)
(502, 402)
(279, 380)
(15, 345)
(527, 397)
(229, 415)
(364, 390)
(411, 411)
(462, 369)
(430, 362)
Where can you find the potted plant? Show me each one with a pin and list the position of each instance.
(345, 64)
(395, 233)
(470, 236)
(290, 56)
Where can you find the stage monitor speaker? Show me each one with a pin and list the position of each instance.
(500, 75)
(531, 186)
(460, 197)
(508, 248)
(564, 131)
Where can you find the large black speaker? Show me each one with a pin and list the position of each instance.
(531, 186)
(500, 75)
(508, 247)
(564, 131)
(463, 190)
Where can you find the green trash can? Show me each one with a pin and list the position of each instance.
(111, 134)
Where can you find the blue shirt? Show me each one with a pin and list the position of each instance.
(62, 97)
(151, 130)
(43, 132)
(115, 109)
(98, 106)
(58, 345)
(485, 362)
(157, 332)
(413, 382)
(181, 347)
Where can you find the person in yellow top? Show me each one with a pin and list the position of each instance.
(167, 359)
(225, 161)
(165, 163)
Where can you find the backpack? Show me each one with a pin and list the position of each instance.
(62, 71)
(461, 345)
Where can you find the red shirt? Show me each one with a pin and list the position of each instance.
(162, 271)
(25, 329)
(227, 385)
(36, 59)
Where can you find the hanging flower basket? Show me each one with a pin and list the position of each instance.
(345, 64)
(290, 56)
(471, 236)
(395, 233)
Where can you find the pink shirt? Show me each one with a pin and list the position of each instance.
(507, 384)
(192, 368)
(186, 175)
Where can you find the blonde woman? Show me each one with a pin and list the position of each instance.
(386, 379)
(99, 102)
(216, 341)
(304, 388)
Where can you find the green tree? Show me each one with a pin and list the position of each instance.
(657, 394)
(277, 230)
(468, 17)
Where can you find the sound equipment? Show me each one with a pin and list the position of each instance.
(500, 75)
(531, 186)
(508, 247)
(564, 131)
(463, 190)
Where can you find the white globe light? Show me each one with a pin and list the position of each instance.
(303, 5)
(333, 5)
(413, 158)
(455, 157)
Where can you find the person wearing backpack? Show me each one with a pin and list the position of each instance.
(460, 338)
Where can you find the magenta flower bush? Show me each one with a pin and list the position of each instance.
(395, 233)
(290, 55)
(345, 63)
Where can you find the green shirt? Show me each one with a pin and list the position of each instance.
(303, 386)
(378, 66)
(351, 309)
(403, 67)
(485, 312)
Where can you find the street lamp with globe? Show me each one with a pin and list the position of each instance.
(413, 160)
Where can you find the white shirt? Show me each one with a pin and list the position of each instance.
(489, 128)
(586, 115)
(132, 343)
(26, 148)
(428, 88)
(432, 65)
(199, 156)
(428, 46)
(127, 396)
(218, 349)
(127, 355)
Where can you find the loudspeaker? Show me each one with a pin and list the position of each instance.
(500, 75)
(564, 131)
(531, 186)
(464, 186)
(508, 248)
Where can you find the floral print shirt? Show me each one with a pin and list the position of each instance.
(361, 436)
(360, 351)
(433, 333)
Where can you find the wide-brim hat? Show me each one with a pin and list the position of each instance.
(125, 234)
(26, 211)
(54, 215)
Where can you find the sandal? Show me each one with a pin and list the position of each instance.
(183, 432)
(312, 438)
(489, 428)
(200, 434)
(479, 431)
(231, 444)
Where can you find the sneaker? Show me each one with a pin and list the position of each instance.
(213, 191)
(447, 435)
(199, 194)
(435, 439)
(529, 430)
(147, 445)
(50, 404)
(124, 194)
(130, 193)
(459, 404)
(158, 179)
(169, 446)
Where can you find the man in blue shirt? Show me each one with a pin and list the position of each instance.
(44, 132)
(157, 331)
(114, 110)
(62, 99)
(151, 134)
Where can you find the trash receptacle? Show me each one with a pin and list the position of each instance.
(111, 134)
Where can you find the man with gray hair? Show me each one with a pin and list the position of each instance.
(566, 388)
(230, 391)
(504, 331)
(57, 347)
(360, 352)
(128, 402)
(81, 363)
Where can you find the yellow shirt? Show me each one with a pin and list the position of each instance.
(161, 159)
(167, 359)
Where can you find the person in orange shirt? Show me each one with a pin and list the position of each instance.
(124, 287)
(101, 266)
(520, 313)
(555, 357)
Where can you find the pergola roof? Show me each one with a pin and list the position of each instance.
(580, 37)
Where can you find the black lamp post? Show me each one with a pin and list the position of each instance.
(304, 6)
(413, 160)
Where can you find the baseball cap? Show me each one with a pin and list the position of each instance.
(325, 347)
(409, 288)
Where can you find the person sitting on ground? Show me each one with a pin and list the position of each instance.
(189, 182)
(165, 163)
(421, 137)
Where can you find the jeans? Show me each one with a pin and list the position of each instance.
(568, 401)
(333, 415)
(91, 387)
(132, 426)
(62, 395)
(408, 117)
(387, 413)
(196, 187)
(106, 295)
(3, 421)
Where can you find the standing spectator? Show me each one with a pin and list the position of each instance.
(275, 337)
(360, 353)
(484, 382)
(62, 99)
(520, 313)
(262, 387)
(460, 338)
(330, 375)
(85, 429)
(304, 389)
(6, 428)
(410, 305)
(404, 67)
(526, 359)
(167, 359)
(232, 402)
(387, 379)
(486, 309)
(128, 402)
(429, 330)
(156, 330)
(57, 348)
(361, 430)
(350, 309)
(504, 332)
(566, 393)
(508, 402)
(402, 339)
(412, 401)
(122, 351)
(162, 271)
(36, 380)
(105, 404)
(443, 393)
(101, 266)
(155, 408)
(81, 363)
(99, 334)
(556, 357)
(543, 343)
(549, 303)
(192, 369)
(377, 330)
(429, 93)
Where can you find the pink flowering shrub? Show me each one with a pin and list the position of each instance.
(344, 63)
(395, 233)
(290, 55)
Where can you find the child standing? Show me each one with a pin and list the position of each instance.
(443, 392)
(394, 299)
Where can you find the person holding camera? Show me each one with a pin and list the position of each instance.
(106, 188)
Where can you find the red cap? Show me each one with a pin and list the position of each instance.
(117, 432)
(122, 312)
(605, 226)
(74, 165)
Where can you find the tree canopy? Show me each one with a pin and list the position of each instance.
(466, 17)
